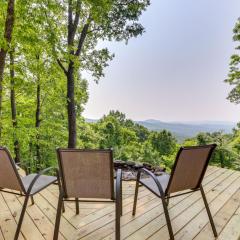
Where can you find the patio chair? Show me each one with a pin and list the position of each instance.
(187, 174)
(87, 176)
(27, 186)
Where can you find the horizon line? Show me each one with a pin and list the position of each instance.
(172, 121)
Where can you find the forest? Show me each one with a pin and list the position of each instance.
(46, 46)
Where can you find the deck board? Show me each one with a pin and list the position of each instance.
(96, 220)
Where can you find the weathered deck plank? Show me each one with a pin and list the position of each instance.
(96, 220)
(101, 228)
(222, 217)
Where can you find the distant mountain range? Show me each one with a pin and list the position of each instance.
(183, 130)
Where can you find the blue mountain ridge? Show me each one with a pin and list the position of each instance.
(183, 130)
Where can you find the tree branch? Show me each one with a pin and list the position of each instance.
(82, 38)
(76, 19)
(72, 26)
(70, 21)
(61, 66)
(70, 12)
(96, 29)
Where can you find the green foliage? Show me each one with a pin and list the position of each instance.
(234, 72)
(42, 49)
(105, 20)
(225, 154)
(163, 142)
(132, 141)
(190, 142)
(40, 41)
(228, 154)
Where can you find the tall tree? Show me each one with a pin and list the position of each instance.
(76, 46)
(9, 23)
(13, 107)
(66, 36)
(38, 113)
(234, 72)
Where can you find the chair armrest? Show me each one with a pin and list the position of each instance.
(40, 174)
(149, 173)
(23, 166)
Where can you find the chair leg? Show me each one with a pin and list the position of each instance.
(169, 225)
(167, 199)
(60, 189)
(58, 217)
(121, 202)
(77, 205)
(63, 207)
(117, 221)
(121, 212)
(32, 200)
(21, 217)
(208, 212)
(135, 198)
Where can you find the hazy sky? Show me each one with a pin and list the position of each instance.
(175, 70)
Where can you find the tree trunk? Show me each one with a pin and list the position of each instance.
(37, 122)
(72, 133)
(13, 107)
(73, 25)
(7, 36)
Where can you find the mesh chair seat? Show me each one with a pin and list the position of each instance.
(42, 182)
(152, 186)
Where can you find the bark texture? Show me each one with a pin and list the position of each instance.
(37, 122)
(70, 70)
(9, 23)
(14, 107)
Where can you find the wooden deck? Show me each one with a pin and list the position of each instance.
(96, 221)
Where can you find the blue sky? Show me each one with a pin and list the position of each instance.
(175, 70)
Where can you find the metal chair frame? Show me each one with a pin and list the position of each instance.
(117, 199)
(26, 193)
(165, 196)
